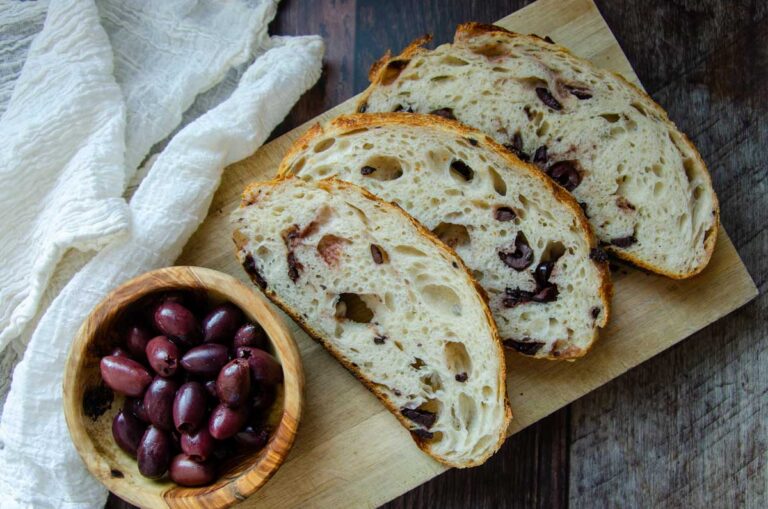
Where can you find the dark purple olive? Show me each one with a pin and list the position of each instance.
(136, 407)
(220, 325)
(205, 360)
(119, 352)
(252, 437)
(136, 341)
(189, 406)
(187, 472)
(127, 431)
(233, 385)
(198, 445)
(262, 396)
(226, 421)
(210, 386)
(154, 452)
(158, 402)
(163, 356)
(252, 335)
(124, 375)
(264, 367)
(176, 321)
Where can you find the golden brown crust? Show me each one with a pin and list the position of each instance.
(346, 123)
(329, 184)
(472, 29)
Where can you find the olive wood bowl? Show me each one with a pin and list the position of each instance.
(89, 406)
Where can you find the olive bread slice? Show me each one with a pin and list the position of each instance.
(525, 239)
(644, 187)
(389, 301)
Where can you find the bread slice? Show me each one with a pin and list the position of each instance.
(505, 219)
(644, 186)
(389, 301)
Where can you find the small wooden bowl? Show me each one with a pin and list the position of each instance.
(89, 406)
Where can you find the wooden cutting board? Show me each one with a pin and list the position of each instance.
(350, 452)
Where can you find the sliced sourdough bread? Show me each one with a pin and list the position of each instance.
(389, 301)
(644, 186)
(524, 238)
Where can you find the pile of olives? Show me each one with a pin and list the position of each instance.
(196, 390)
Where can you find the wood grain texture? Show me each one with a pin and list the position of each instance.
(89, 406)
(687, 427)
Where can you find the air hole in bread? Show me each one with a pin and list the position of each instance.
(553, 251)
(490, 51)
(498, 183)
(399, 345)
(543, 129)
(298, 165)
(392, 71)
(418, 363)
(639, 108)
(690, 170)
(454, 235)
(466, 409)
(478, 275)
(612, 118)
(432, 383)
(330, 249)
(355, 131)
(457, 358)
(454, 61)
(351, 306)
(409, 251)
(461, 171)
(442, 299)
(360, 214)
(442, 78)
(383, 168)
(324, 144)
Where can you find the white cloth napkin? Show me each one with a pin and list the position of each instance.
(63, 168)
(39, 467)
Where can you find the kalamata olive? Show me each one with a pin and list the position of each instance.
(264, 367)
(158, 402)
(187, 472)
(210, 386)
(262, 396)
(163, 356)
(189, 406)
(220, 325)
(198, 445)
(154, 452)
(119, 352)
(205, 360)
(124, 375)
(252, 335)
(136, 407)
(127, 431)
(136, 341)
(233, 385)
(176, 321)
(226, 421)
(252, 437)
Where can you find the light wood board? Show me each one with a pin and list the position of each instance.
(350, 452)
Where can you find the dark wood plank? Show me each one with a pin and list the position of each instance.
(689, 428)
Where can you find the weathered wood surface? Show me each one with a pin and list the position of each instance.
(688, 427)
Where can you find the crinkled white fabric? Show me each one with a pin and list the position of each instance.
(61, 158)
(68, 155)
(40, 467)
(20, 22)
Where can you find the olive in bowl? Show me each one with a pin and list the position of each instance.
(168, 397)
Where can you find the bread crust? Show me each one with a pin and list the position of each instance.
(331, 183)
(471, 29)
(347, 123)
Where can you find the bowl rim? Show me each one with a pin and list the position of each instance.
(252, 303)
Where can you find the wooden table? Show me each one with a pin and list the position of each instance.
(689, 427)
